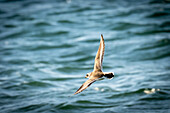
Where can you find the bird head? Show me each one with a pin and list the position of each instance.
(87, 75)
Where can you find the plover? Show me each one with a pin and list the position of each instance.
(97, 73)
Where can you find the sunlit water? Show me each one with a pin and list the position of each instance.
(47, 47)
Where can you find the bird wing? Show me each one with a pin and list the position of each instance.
(99, 55)
(85, 85)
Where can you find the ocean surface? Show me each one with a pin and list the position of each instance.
(48, 46)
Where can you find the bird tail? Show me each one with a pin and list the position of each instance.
(109, 75)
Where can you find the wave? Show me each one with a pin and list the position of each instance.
(47, 47)
(50, 34)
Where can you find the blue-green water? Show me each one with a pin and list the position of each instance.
(48, 46)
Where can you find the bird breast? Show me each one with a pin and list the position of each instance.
(97, 75)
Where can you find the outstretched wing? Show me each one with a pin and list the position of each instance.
(85, 85)
(99, 55)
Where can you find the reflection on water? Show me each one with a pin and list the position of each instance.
(47, 47)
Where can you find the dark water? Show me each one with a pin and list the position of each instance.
(47, 47)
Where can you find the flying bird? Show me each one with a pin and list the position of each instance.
(97, 73)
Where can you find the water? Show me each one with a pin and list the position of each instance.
(47, 47)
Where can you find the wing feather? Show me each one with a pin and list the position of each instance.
(99, 55)
(85, 85)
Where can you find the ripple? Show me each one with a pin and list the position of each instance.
(124, 94)
(159, 14)
(69, 106)
(37, 84)
(10, 26)
(160, 43)
(60, 79)
(19, 61)
(88, 102)
(42, 24)
(147, 32)
(48, 47)
(50, 34)
(158, 98)
(156, 54)
(14, 34)
(70, 69)
(66, 21)
(165, 24)
(31, 107)
(71, 11)
(125, 25)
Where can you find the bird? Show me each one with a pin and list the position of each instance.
(97, 73)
